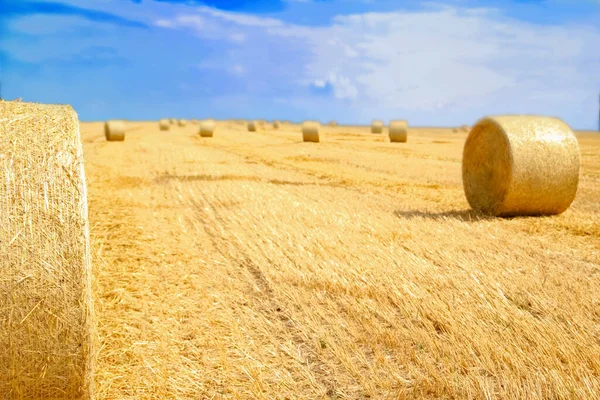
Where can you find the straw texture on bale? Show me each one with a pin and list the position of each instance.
(182, 122)
(252, 126)
(520, 165)
(398, 131)
(207, 128)
(377, 126)
(163, 124)
(46, 329)
(114, 131)
(310, 131)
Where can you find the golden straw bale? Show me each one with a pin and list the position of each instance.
(376, 126)
(252, 126)
(163, 124)
(332, 123)
(398, 131)
(172, 121)
(465, 128)
(46, 324)
(182, 122)
(310, 131)
(207, 127)
(520, 165)
(276, 124)
(114, 130)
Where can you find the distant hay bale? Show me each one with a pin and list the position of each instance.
(398, 131)
(46, 324)
(310, 131)
(332, 123)
(114, 130)
(465, 128)
(182, 122)
(377, 126)
(252, 126)
(276, 124)
(520, 165)
(172, 121)
(164, 125)
(207, 128)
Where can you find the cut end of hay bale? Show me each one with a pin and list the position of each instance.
(398, 131)
(252, 126)
(47, 347)
(207, 128)
(114, 131)
(520, 165)
(377, 126)
(310, 131)
(164, 125)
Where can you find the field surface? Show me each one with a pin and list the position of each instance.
(252, 265)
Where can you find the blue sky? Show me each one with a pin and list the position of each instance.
(438, 63)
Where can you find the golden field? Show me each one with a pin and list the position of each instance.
(253, 265)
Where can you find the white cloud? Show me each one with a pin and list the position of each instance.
(237, 70)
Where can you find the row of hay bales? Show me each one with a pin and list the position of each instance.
(512, 165)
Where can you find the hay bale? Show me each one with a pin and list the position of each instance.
(252, 126)
(332, 123)
(520, 165)
(398, 131)
(172, 121)
(310, 131)
(276, 124)
(114, 130)
(207, 128)
(465, 128)
(182, 122)
(46, 328)
(163, 125)
(376, 126)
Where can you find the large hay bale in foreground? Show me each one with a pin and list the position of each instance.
(114, 131)
(310, 131)
(376, 126)
(252, 126)
(182, 122)
(398, 131)
(520, 165)
(207, 128)
(164, 125)
(46, 346)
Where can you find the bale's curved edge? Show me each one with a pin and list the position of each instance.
(398, 131)
(252, 126)
(520, 165)
(377, 126)
(310, 131)
(47, 349)
(207, 128)
(114, 131)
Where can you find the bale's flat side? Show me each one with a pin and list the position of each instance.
(164, 125)
(207, 128)
(46, 325)
(310, 131)
(521, 165)
(377, 127)
(252, 126)
(114, 131)
(398, 131)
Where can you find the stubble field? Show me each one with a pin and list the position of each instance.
(253, 265)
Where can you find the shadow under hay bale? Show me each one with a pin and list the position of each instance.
(114, 131)
(520, 165)
(46, 322)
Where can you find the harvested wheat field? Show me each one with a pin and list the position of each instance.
(253, 265)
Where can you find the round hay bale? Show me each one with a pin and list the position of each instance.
(332, 123)
(520, 165)
(46, 324)
(276, 124)
(310, 131)
(172, 121)
(398, 131)
(207, 128)
(164, 125)
(182, 122)
(114, 130)
(252, 126)
(376, 126)
(465, 128)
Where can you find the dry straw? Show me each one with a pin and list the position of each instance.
(398, 131)
(114, 130)
(46, 346)
(520, 165)
(377, 126)
(276, 125)
(207, 128)
(252, 126)
(163, 124)
(182, 122)
(310, 131)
